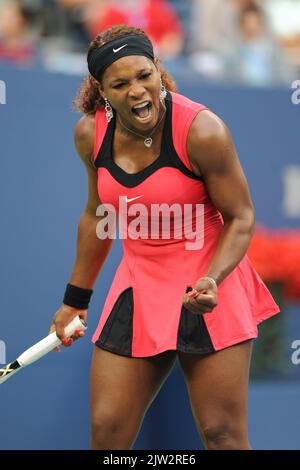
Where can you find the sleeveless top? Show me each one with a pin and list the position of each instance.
(169, 230)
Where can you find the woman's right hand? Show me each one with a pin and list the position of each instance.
(61, 319)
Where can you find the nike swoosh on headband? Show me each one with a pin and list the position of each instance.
(119, 48)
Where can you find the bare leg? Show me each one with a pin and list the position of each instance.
(218, 390)
(122, 389)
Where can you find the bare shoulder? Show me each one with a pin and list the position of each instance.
(208, 127)
(209, 142)
(84, 136)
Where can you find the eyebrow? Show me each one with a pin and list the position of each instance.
(122, 79)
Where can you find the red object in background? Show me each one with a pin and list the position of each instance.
(24, 54)
(276, 256)
(157, 18)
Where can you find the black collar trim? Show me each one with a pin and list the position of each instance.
(168, 156)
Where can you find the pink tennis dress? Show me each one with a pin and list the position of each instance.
(172, 233)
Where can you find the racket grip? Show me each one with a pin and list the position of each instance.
(46, 345)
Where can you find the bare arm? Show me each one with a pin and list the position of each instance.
(212, 151)
(91, 251)
(212, 154)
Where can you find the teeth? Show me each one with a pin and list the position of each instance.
(142, 105)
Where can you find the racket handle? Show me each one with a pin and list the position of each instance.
(44, 346)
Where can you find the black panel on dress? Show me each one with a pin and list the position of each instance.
(116, 335)
(168, 156)
(193, 336)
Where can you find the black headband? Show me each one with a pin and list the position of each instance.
(102, 57)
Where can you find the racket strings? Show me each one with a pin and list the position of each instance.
(9, 368)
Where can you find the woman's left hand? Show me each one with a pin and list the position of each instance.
(203, 298)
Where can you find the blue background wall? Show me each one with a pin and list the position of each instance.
(43, 191)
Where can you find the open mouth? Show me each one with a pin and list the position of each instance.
(142, 110)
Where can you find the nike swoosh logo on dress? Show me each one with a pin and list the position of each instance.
(119, 48)
(132, 198)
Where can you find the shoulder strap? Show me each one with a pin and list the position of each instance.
(100, 130)
(183, 114)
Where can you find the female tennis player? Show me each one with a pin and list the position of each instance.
(188, 292)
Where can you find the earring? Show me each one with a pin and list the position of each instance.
(163, 91)
(108, 110)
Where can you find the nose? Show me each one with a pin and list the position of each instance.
(136, 91)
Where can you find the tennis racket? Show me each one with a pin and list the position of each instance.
(39, 350)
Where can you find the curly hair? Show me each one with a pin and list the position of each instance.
(88, 98)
